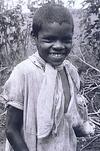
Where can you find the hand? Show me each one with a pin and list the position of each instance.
(89, 128)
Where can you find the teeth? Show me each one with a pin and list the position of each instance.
(56, 55)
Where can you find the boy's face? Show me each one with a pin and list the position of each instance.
(54, 42)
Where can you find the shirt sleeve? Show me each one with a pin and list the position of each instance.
(13, 89)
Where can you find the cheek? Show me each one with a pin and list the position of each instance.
(42, 45)
(69, 46)
(42, 49)
(45, 45)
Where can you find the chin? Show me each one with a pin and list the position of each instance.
(56, 64)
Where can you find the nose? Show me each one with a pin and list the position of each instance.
(58, 45)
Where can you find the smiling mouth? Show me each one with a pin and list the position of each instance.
(57, 55)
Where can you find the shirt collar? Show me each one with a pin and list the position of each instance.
(38, 61)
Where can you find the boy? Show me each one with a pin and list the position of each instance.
(44, 109)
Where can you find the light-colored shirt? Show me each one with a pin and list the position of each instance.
(22, 90)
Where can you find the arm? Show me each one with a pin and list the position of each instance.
(13, 129)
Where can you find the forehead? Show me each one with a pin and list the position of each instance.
(56, 29)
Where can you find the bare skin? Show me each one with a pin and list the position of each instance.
(13, 129)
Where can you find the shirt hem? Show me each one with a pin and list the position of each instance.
(16, 105)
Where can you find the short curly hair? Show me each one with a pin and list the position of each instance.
(50, 13)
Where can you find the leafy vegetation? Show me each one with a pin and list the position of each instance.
(89, 66)
(90, 45)
(91, 29)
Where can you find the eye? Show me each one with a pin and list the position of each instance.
(67, 40)
(49, 39)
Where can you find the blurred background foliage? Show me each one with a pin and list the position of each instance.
(16, 44)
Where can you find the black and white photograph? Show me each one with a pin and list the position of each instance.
(49, 75)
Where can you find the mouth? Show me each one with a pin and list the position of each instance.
(56, 58)
(57, 55)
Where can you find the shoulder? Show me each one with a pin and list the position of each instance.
(25, 67)
(73, 73)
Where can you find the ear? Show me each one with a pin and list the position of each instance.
(33, 35)
(36, 39)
